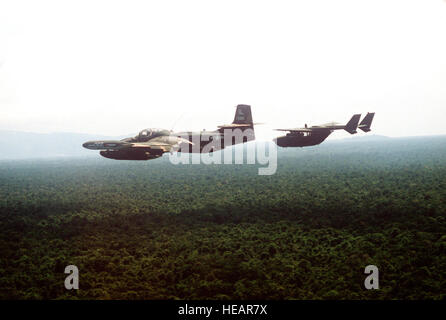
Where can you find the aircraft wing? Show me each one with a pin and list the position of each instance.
(160, 146)
(153, 146)
(296, 130)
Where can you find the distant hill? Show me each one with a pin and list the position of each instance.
(369, 137)
(19, 145)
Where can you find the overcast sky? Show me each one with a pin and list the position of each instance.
(115, 67)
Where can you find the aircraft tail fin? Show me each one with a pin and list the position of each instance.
(242, 119)
(242, 125)
(352, 125)
(243, 115)
(366, 123)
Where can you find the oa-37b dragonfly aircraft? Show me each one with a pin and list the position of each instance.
(310, 136)
(153, 143)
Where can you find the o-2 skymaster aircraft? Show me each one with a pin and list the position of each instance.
(310, 136)
(153, 143)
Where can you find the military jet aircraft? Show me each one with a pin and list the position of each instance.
(153, 143)
(310, 136)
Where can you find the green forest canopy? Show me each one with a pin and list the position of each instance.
(153, 230)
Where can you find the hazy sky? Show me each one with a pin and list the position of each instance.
(115, 67)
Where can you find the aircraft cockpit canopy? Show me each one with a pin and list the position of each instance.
(151, 133)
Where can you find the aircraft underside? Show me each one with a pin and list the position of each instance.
(131, 154)
(301, 140)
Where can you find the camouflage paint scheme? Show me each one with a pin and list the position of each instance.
(153, 143)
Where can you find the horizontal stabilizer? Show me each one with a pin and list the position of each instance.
(235, 125)
(296, 130)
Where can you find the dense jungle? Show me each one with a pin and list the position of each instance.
(155, 230)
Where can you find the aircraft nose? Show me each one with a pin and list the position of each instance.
(278, 142)
(86, 145)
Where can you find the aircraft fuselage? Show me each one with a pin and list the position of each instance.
(210, 141)
(301, 139)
